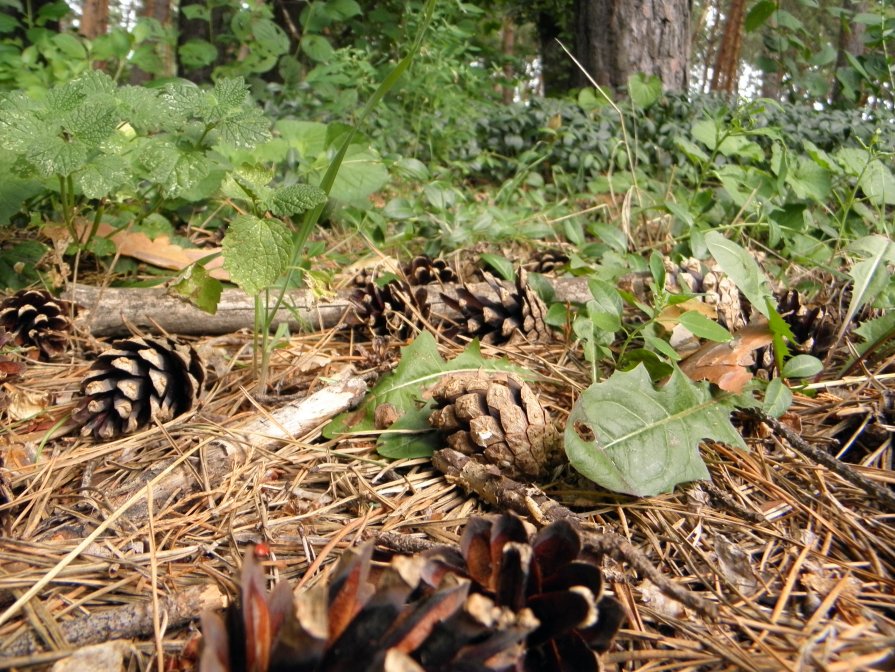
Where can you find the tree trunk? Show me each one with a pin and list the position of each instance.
(727, 61)
(771, 80)
(615, 39)
(94, 18)
(507, 47)
(160, 10)
(556, 72)
(851, 41)
(204, 30)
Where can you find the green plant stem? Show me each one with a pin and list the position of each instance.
(313, 216)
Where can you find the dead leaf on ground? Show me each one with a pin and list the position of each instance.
(725, 364)
(160, 252)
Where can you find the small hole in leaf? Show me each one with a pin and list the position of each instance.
(584, 431)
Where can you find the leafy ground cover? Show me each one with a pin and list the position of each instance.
(699, 352)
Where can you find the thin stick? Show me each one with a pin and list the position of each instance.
(880, 493)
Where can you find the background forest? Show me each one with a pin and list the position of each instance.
(648, 243)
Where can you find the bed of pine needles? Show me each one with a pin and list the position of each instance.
(797, 560)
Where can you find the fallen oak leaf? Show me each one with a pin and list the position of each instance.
(725, 364)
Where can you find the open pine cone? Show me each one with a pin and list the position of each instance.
(358, 622)
(37, 319)
(548, 573)
(502, 315)
(424, 270)
(393, 309)
(137, 381)
(498, 418)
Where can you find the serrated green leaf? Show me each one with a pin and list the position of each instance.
(256, 252)
(101, 176)
(870, 275)
(702, 327)
(247, 128)
(421, 366)
(629, 437)
(51, 155)
(737, 263)
(802, 366)
(94, 121)
(777, 398)
(175, 170)
(295, 198)
(230, 93)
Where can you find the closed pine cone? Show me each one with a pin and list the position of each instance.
(497, 417)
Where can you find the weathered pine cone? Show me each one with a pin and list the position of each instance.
(424, 270)
(356, 622)
(501, 315)
(496, 417)
(393, 309)
(546, 261)
(136, 382)
(548, 573)
(37, 319)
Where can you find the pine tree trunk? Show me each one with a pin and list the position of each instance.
(615, 39)
(556, 68)
(94, 18)
(508, 46)
(727, 60)
(851, 41)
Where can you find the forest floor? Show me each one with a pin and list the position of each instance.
(793, 561)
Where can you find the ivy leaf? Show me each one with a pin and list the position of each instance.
(644, 91)
(295, 198)
(421, 366)
(256, 252)
(630, 437)
(878, 184)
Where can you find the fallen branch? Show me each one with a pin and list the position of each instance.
(110, 310)
(125, 622)
(506, 494)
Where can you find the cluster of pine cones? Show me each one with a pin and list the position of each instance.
(508, 599)
(134, 383)
(492, 311)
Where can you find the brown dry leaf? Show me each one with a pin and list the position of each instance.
(670, 315)
(24, 404)
(725, 363)
(160, 252)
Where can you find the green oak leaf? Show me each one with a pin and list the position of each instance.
(630, 437)
(421, 366)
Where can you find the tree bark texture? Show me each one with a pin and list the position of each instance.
(205, 30)
(556, 68)
(618, 38)
(94, 18)
(160, 10)
(727, 60)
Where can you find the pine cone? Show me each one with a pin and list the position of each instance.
(135, 382)
(424, 270)
(546, 261)
(37, 319)
(497, 417)
(549, 574)
(393, 309)
(354, 623)
(502, 316)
